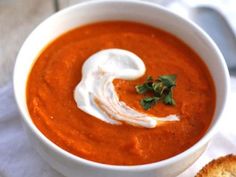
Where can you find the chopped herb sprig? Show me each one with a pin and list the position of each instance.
(161, 89)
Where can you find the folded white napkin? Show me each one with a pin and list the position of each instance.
(17, 157)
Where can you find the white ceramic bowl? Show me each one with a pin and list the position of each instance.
(94, 11)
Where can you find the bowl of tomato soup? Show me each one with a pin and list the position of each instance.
(120, 88)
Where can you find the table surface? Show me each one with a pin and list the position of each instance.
(17, 158)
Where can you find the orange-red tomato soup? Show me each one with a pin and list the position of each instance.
(57, 71)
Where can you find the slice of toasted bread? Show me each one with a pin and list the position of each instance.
(221, 167)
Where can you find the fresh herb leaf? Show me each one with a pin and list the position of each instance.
(168, 80)
(169, 99)
(149, 79)
(161, 89)
(147, 86)
(148, 102)
(158, 88)
(143, 88)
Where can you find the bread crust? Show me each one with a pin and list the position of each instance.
(221, 167)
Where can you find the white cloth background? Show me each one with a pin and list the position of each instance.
(19, 159)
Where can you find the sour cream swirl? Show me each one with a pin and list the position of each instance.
(95, 93)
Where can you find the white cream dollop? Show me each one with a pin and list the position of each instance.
(95, 93)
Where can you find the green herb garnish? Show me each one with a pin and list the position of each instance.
(169, 99)
(161, 89)
(148, 102)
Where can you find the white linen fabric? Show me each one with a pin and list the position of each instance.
(19, 159)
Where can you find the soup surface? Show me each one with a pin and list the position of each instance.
(57, 71)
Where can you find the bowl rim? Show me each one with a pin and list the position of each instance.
(204, 140)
